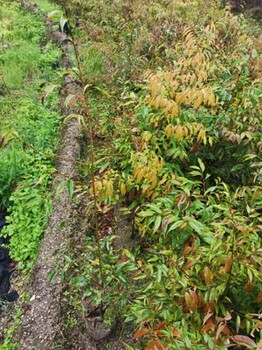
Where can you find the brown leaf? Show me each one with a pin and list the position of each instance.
(188, 265)
(259, 297)
(208, 276)
(249, 286)
(210, 325)
(228, 262)
(140, 333)
(187, 250)
(243, 340)
(220, 329)
(191, 300)
(209, 306)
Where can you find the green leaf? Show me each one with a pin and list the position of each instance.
(155, 208)
(157, 223)
(54, 15)
(146, 213)
(195, 173)
(63, 22)
(70, 188)
(200, 229)
(201, 164)
(129, 254)
(175, 225)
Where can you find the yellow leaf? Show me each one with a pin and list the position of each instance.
(141, 174)
(193, 78)
(157, 101)
(179, 132)
(144, 190)
(199, 100)
(169, 130)
(175, 109)
(153, 180)
(146, 136)
(122, 188)
(201, 135)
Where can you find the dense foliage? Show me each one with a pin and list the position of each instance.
(28, 129)
(183, 106)
(172, 98)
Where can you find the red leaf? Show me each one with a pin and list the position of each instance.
(243, 340)
(159, 326)
(194, 148)
(176, 333)
(140, 333)
(226, 330)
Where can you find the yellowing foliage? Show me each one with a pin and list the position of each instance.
(103, 187)
(187, 85)
(146, 171)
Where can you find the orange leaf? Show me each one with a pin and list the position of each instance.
(243, 340)
(176, 333)
(154, 345)
(140, 333)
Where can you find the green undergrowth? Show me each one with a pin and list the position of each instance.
(28, 129)
(172, 92)
(46, 6)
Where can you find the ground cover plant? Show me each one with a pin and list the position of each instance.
(29, 129)
(179, 86)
